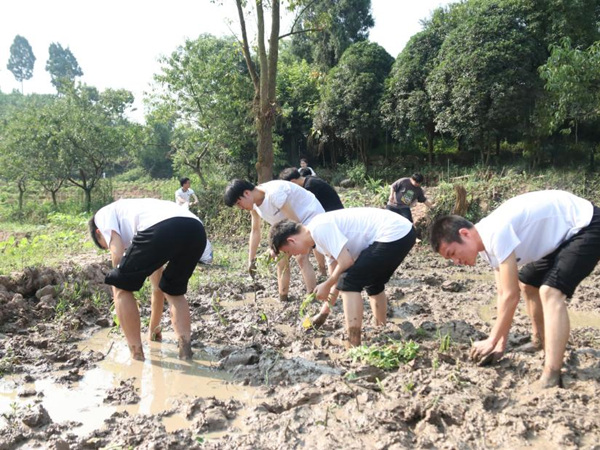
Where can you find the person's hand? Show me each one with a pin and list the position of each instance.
(322, 292)
(486, 352)
(252, 268)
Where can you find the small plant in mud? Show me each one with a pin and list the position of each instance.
(445, 342)
(217, 308)
(11, 416)
(410, 386)
(304, 312)
(7, 362)
(265, 263)
(388, 356)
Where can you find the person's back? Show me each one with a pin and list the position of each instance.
(325, 193)
(278, 192)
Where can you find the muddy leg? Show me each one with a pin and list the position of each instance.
(129, 318)
(379, 308)
(557, 328)
(180, 316)
(535, 311)
(308, 273)
(283, 277)
(353, 312)
(320, 262)
(157, 306)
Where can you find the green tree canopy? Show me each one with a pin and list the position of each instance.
(349, 107)
(62, 66)
(335, 25)
(207, 94)
(21, 60)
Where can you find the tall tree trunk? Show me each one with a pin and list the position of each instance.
(88, 199)
(21, 186)
(54, 201)
(264, 83)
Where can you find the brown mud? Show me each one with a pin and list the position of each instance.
(258, 380)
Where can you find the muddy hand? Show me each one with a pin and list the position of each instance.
(490, 359)
(252, 268)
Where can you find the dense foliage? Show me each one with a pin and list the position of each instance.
(490, 82)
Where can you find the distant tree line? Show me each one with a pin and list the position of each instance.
(484, 81)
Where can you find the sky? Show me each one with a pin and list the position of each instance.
(117, 43)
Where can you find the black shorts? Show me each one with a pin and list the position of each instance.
(375, 265)
(570, 263)
(404, 211)
(179, 242)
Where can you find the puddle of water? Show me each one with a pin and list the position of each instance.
(160, 381)
(578, 319)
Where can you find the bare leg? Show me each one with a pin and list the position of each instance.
(283, 277)
(535, 311)
(156, 307)
(379, 308)
(353, 312)
(308, 273)
(129, 318)
(180, 316)
(557, 328)
(320, 262)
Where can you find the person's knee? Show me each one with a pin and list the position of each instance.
(528, 290)
(551, 295)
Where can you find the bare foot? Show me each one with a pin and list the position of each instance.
(185, 349)
(156, 334)
(283, 298)
(354, 336)
(550, 379)
(137, 352)
(529, 347)
(319, 319)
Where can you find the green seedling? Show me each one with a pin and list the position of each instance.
(389, 356)
(410, 386)
(306, 303)
(445, 342)
(265, 263)
(216, 306)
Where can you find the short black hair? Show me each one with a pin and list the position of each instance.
(445, 230)
(235, 189)
(280, 232)
(305, 172)
(304, 159)
(289, 174)
(93, 228)
(418, 177)
(183, 180)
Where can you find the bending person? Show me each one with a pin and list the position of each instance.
(365, 246)
(142, 236)
(555, 236)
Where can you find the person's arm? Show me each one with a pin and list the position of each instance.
(428, 204)
(116, 248)
(342, 263)
(195, 200)
(179, 199)
(392, 200)
(507, 284)
(289, 213)
(254, 236)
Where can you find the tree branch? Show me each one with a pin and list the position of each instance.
(245, 46)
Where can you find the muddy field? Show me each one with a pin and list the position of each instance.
(258, 380)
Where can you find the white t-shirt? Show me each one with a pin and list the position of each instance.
(185, 195)
(129, 216)
(532, 225)
(356, 228)
(279, 192)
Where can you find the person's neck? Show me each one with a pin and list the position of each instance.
(258, 196)
(184, 189)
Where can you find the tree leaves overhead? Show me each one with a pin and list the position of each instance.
(336, 25)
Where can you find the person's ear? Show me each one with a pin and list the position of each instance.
(464, 233)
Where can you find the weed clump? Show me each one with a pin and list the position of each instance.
(388, 356)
